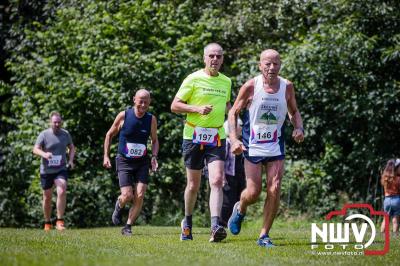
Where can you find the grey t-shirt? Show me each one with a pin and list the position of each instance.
(57, 145)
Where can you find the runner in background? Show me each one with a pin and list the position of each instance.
(235, 179)
(390, 181)
(135, 126)
(51, 145)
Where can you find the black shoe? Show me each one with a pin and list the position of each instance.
(117, 214)
(126, 231)
(218, 234)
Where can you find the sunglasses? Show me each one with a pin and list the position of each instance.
(218, 56)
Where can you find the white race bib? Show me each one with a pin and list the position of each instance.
(55, 161)
(135, 150)
(264, 133)
(204, 135)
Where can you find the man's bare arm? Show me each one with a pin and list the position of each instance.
(243, 98)
(71, 155)
(114, 129)
(155, 146)
(37, 150)
(294, 114)
(244, 95)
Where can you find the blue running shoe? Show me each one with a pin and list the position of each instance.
(126, 231)
(217, 234)
(236, 219)
(265, 241)
(117, 214)
(186, 231)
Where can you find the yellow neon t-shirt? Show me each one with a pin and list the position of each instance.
(201, 89)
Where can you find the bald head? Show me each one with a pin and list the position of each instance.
(142, 93)
(213, 47)
(270, 65)
(269, 53)
(213, 58)
(141, 101)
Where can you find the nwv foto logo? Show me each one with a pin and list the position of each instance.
(338, 234)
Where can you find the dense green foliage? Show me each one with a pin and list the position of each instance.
(86, 59)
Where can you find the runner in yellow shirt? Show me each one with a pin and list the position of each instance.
(204, 96)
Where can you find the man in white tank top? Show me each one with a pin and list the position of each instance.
(266, 99)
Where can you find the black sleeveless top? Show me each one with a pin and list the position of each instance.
(134, 135)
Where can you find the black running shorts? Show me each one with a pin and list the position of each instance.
(132, 171)
(47, 180)
(194, 156)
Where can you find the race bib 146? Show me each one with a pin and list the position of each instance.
(264, 133)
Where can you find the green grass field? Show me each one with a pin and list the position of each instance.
(161, 246)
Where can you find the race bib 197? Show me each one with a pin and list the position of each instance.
(55, 161)
(135, 150)
(206, 136)
(264, 133)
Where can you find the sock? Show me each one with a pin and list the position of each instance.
(128, 226)
(214, 221)
(238, 212)
(188, 220)
(119, 203)
(47, 222)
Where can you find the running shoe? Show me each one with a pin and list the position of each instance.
(60, 225)
(265, 241)
(186, 231)
(117, 214)
(126, 231)
(47, 227)
(236, 219)
(217, 234)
